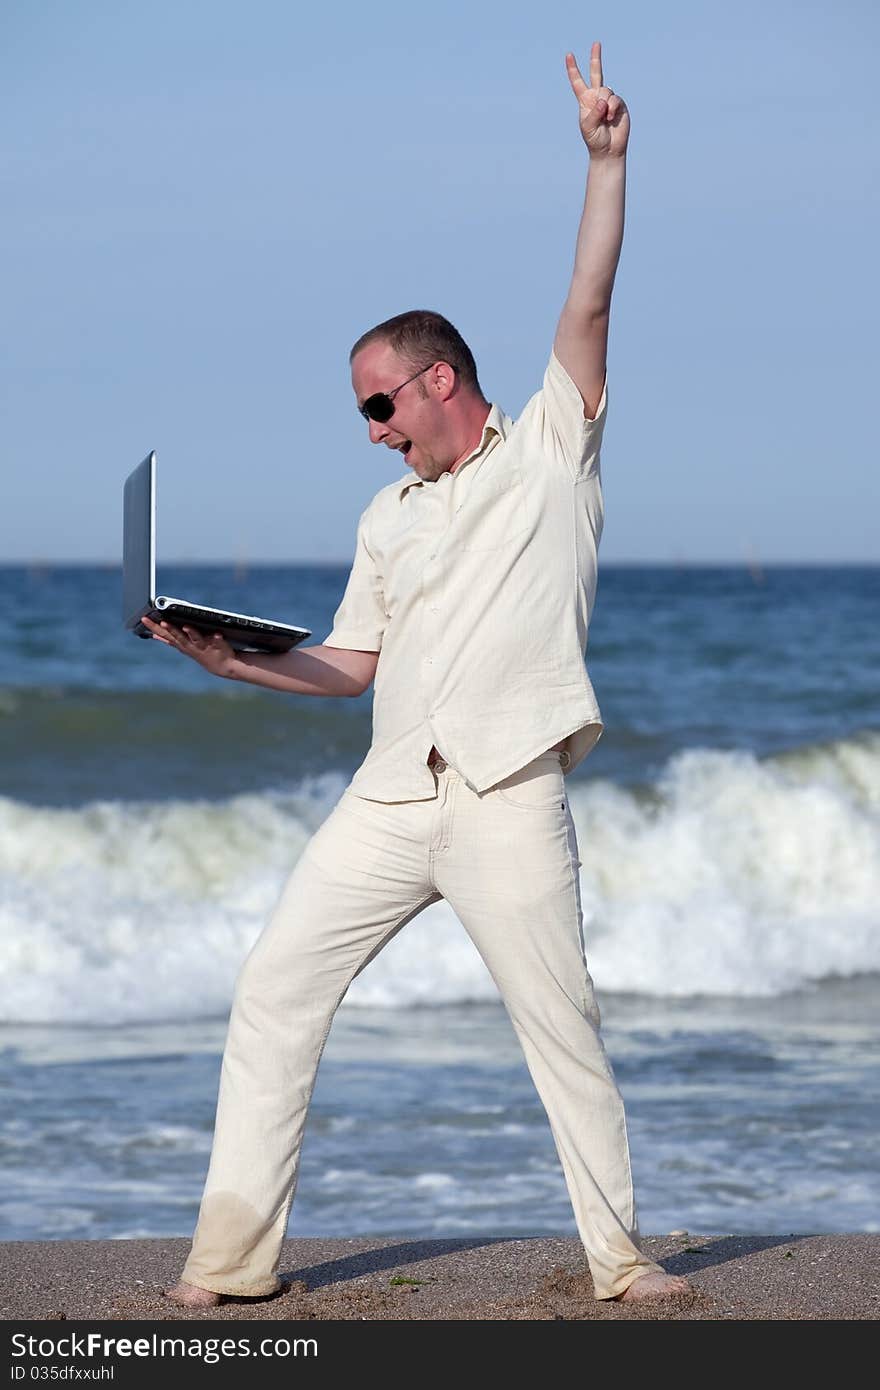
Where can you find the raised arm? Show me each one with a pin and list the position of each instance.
(582, 333)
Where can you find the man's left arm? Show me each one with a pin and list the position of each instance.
(581, 341)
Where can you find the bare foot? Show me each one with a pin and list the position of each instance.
(655, 1286)
(191, 1296)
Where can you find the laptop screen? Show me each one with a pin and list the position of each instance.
(139, 541)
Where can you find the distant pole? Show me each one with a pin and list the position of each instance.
(753, 565)
(240, 570)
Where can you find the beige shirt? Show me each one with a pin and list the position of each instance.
(477, 590)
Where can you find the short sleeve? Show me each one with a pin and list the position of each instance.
(576, 439)
(360, 620)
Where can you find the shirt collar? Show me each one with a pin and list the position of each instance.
(497, 426)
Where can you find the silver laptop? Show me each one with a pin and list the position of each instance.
(139, 598)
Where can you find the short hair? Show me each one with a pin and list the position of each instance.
(421, 337)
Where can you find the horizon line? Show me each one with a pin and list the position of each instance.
(240, 564)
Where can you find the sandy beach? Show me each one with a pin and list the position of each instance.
(814, 1277)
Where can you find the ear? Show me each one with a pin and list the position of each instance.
(443, 381)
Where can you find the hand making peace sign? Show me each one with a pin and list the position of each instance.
(604, 118)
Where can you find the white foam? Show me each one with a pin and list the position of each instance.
(735, 876)
(742, 877)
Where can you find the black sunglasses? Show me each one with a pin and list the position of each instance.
(380, 407)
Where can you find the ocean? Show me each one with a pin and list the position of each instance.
(729, 827)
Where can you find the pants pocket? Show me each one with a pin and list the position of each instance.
(539, 786)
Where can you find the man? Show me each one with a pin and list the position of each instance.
(469, 601)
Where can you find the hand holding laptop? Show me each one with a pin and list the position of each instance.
(210, 650)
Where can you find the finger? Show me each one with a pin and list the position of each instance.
(596, 66)
(578, 85)
(592, 121)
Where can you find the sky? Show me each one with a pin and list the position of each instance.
(205, 204)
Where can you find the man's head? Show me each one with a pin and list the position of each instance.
(415, 379)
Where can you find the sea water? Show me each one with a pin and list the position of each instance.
(729, 827)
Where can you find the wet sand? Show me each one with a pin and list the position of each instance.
(816, 1277)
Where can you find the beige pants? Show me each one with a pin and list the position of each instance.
(507, 863)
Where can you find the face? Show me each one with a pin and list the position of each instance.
(415, 429)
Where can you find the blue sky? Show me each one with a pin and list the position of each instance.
(206, 203)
